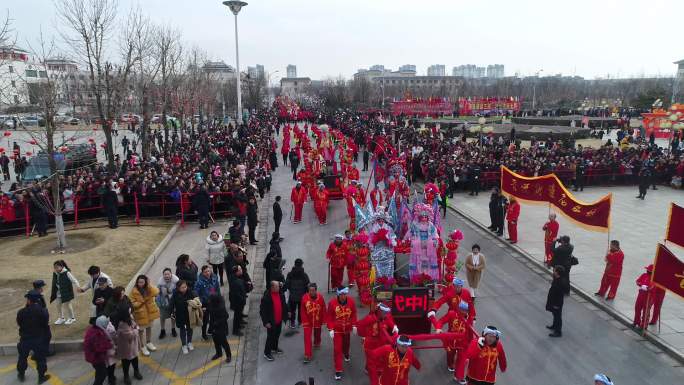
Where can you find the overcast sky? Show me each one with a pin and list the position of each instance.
(590, 38)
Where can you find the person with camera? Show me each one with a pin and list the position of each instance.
(562, 256)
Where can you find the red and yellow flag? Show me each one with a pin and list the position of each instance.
(668, 271)
(549, 189)
(675, 225)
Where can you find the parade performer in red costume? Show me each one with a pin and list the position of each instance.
(512, 215)
(613, 271)
(482, 356)
(460, 324)
(377, 328)
(550, 234)
(453, 295)
(313, 311)
(341, 320)
(645, 287)
(391, 364)
(337, 257)
(320, 198)
(298, 198)
(376, 197)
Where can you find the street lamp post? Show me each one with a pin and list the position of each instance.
(268, 84)
(534, 89)
(235, 7)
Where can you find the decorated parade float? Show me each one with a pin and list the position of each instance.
(407, 262)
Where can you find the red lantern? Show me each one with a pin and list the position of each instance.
(91, 140)
(7, 133)
(103, 145)
(2, 149)
(33, 142)
(29, 153)
(94, 128)
(64, 149)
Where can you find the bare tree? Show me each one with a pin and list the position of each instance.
(146, 72)
(90, 25)
(6, 43)
(45, 94)
(256, 92)
(169, 51)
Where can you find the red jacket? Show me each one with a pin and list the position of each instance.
(513, 212)
(452, 299)
(376, 197)
(457, 324)
(550, 230)
(614, 263)
(298, 196)
(341, 317)
(312, 311)
(320, 197)
(95, 345)
(645, 280)
(337, 255)
(376, 332)
(390, 369)
(482, 361)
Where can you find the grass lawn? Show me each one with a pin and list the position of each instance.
(119, 253)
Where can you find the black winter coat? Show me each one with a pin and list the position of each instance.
(266, 308)
(178, 305)
(296, 283)
(201, 201)
(188, 274)
(218, 318)
(238, 292)
(561, 255)
(554, 300)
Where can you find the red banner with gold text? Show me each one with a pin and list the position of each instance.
(549, 189)
(668, 271)
(675, 225)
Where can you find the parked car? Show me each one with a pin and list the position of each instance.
(130, 118)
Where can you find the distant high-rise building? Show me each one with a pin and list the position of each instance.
(255, 72)
(469, 71)
(495, 71)
(291, 71)
(378, 67)
(436, 70)
(408, 68)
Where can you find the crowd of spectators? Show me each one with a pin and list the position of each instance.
(231, 163)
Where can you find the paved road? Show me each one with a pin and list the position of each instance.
(512, 297)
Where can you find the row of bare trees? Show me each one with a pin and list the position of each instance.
(131, 63)
(550, 92)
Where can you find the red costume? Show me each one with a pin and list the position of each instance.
(351, 260)
(376, 197)
(352, 173)
(390, 367)
(376, 332)
(461, 325)
(512, 215)
(7, 209)
(645, 287)
(313, 318)
(298, 197)
(612, 274)
(337, 257)
(550, 234)
(320, 198)
(482, 361)
(657, 303)
(341, 319)
(453, 299)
